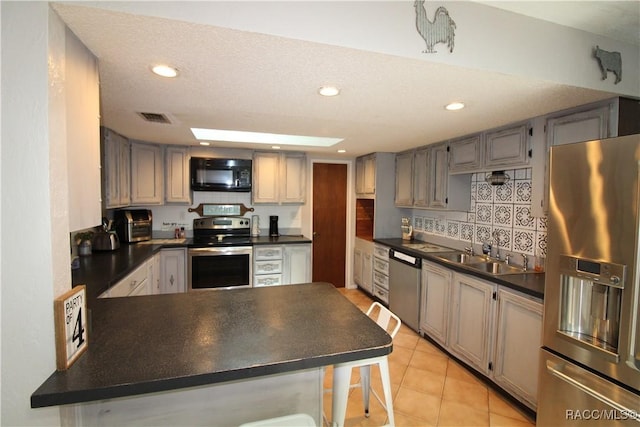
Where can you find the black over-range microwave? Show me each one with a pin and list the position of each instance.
(220, 174)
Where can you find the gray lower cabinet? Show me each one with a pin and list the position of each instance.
(493, 329)
(281, 264)
(472, 309)
(436, 299)
(518, 337)
(297, 264)
(363, 264)
(173, 275)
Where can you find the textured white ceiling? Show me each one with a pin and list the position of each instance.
(232, 79)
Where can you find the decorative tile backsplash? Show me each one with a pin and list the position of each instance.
(498, 212)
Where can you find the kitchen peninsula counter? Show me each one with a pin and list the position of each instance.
(528, 283)
(165, 342)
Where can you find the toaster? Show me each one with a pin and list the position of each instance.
(134, 225)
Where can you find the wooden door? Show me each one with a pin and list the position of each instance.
(329, 222)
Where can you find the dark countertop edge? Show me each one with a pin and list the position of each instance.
(513, 281)
(42, 398)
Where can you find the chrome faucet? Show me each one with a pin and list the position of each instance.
(496, 241)
(507, 259)
(525, 261)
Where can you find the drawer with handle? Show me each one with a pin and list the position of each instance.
(381, 280)
(381, 265)
(267, 252)
(383, 294)
(267, 280)
(381, 252)
(268, 267)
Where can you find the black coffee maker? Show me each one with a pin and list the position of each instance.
(273, 226)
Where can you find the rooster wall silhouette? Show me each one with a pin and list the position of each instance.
(441, 30)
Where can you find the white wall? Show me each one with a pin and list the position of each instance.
(30, 243)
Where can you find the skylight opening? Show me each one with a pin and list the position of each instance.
(262, 138)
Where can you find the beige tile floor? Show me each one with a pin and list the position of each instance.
(429, 388)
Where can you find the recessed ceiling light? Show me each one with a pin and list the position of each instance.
(276, 147)
(204, 143)
(165, 70)
(455, 106)
(342, 151)
(262, 138)
(328, 91)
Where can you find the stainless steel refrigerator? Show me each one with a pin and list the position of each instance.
(590, 359)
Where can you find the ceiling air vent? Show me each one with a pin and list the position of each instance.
(155, 117)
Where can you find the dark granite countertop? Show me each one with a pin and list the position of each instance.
(101, 270)
(529, 283)
(165, 342)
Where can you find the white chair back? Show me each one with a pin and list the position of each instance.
(383, 316)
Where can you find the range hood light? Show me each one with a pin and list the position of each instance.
(497, 178)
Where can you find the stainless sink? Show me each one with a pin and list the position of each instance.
(461, 257)
(498, 268)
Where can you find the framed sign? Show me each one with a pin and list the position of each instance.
(70, 311)
(221, 209)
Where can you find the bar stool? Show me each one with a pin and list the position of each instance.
(342, 373)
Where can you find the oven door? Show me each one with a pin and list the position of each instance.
(220, 268)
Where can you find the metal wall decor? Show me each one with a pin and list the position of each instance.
(609, 61)
(441, 30)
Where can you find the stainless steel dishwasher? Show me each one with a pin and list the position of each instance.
(404, 287)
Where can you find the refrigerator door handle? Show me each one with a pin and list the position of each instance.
(556, 369)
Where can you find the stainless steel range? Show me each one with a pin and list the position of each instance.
(221, 254)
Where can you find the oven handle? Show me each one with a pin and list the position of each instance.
(556, 369)
(221, 250)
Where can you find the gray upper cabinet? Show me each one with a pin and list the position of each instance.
(421, 178)
(507, 147)
(438, 176)
(147, 174)
(404, 179)
(465, 154)
(491, 150)
(116, 169)
(279, 178)
(176, 183)
(366, 175)
(579, 126)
